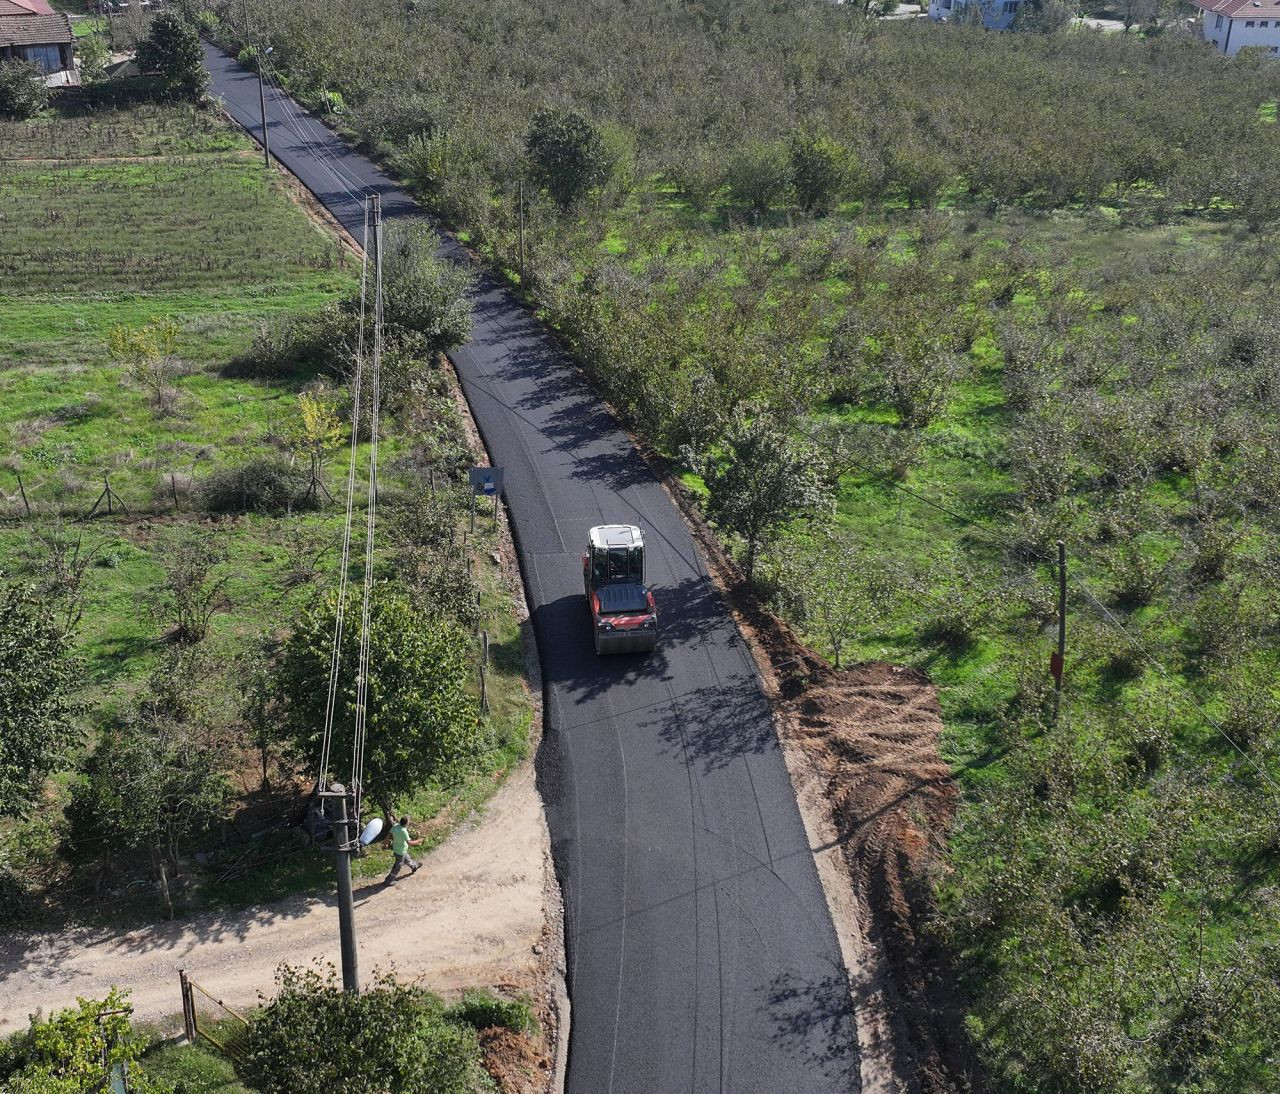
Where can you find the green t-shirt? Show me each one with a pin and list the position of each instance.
(399, 839)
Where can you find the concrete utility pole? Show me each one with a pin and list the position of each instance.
(261, 55)
(262, 105)
(347, 844)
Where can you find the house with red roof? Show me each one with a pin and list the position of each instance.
(30, 30)
(1233, 25)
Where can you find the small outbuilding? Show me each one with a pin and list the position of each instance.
(32, 31)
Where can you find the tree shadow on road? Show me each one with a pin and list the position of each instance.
(814, 1024)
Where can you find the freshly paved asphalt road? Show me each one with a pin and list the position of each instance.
(701, 953)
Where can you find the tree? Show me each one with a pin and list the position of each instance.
(192, 594)
(389, 1039)
(759, 175)
(426, 300)
(421, 720)
(37, 676)
(22, 90)
(172, 51)
(60, 561)
(838, 590)
(817, 171)
(151, 783)
(93, 53)
(759, 478)
(77, 1050)
(149, 355)
(567, 154)
(900, 358)
(314, 434)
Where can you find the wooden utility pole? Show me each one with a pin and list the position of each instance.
(522, 235)
(1055, 665)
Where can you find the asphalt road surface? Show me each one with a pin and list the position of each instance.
(701, 956)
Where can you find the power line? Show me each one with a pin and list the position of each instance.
(1108, 616)
(362, 701)
(335, 655)
(1167, 675)
(299, 125)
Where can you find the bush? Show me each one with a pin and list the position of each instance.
(482, 1009)
(759, 175)
(300, 347)
(266, 484)
(817, 171)
(314, 1036)
(22, 90)
(66, 1053)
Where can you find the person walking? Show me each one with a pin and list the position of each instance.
(401, 841)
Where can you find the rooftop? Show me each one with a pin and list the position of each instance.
(1233, 8)
(615, 535)
(35, 30)
(25, 7)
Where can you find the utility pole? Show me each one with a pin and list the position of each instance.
(261, 56)
(347, 843)
(522, 288)
(1055, 665)
(262, 105)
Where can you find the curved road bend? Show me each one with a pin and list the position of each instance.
(701, 955)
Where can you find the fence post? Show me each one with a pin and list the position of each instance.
(188, 1008)
(484, 691)
(23, 491)
(484, 647)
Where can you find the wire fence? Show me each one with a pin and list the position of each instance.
(207, 1018)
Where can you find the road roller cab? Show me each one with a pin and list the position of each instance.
(624, 618)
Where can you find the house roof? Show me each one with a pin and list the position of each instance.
(35, 30)
(25, 7)
(1239, 8)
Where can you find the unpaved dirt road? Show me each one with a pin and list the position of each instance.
(472, 915)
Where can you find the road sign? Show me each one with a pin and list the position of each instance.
(486, 481)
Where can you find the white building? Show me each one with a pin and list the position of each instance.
(996, 14)
(1233, 25)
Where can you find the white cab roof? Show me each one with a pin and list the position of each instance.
(616, 535)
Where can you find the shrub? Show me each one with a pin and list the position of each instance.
(698, 177)
(817, 171)
(22, 90)
(192, 593)
(759, 175)
(424, 295)
(300, 347)
(265, 484)
(314, 1036)
(482, 1009)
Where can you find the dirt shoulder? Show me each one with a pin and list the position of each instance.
(862, 748)
(475, 914)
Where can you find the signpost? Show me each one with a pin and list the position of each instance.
(485, 482)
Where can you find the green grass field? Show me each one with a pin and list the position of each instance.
(164, 213)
